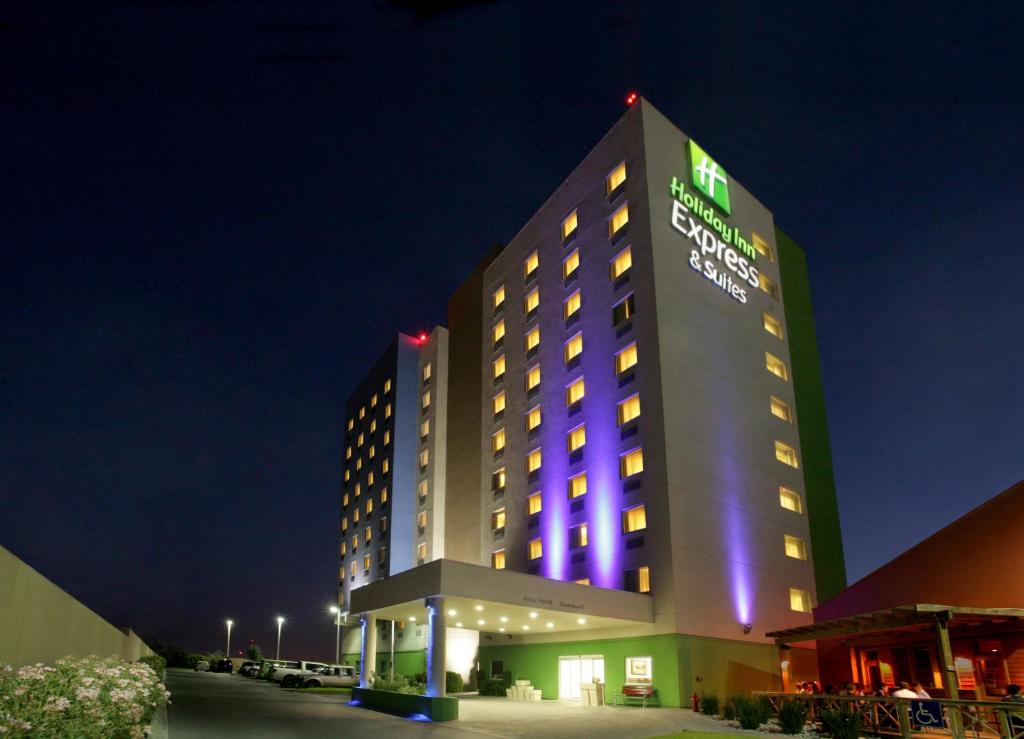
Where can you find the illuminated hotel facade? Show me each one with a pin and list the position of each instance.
(637, 471)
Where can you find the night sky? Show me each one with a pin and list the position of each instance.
(214, 215)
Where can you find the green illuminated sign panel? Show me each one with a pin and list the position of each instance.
(708, 177)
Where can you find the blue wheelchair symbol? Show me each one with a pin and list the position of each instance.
(926, 713)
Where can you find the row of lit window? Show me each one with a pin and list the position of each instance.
(367, 559)
(625, 360)
(637, 580)
(373, 404)
(633, 519)
(357, 491)
(630, 463)
(385, 468)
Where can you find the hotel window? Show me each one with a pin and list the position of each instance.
(344, 525)
(771, 325)
(360, 439)
(536, 549)
(629, 409)
(373, 425)
(786, 454)
(498, 441)
(385, 466)
(533, 338)
(625, 359)
(367, 534)
(371, 452)
(582, 581)
(498, 559)
(424, 458)
(762, 247)
(421, 521)
(347, 474)
(573, 347)
(578, 485)
(795, 547)
(353, 569)
(618, 220)
(575, 392)
(531, 301)
(533, 419)
(767, 285)
(499, 367)
(571, 305)
(576, 438)
(799, 600)
(359, 464)
(362, 413)
(498, 480)
(421, 553)
(382, 555)
(358, 489)
(578, 536)
(498, 333)
(373, 400)
(498, 298)
(533, 460)
(498, 403)
(387, 411)
(425, 429)
(355, 544)
(387, 437)
(387, 386)
(422, 491)
(790, 500)
(622, 263)
(615, 179)
(369, 479)
(569, 226)
(634, 519)
(533, 504)
(776, 366)
(498, 519)
(531, 264)
(383, 495)
(631, 463)
(351, 423)
(383, 524)
(623, 310)
(348, 452)
(781, 410)
(638, 580)
(344, 549)
(571, 264)
(366, 561)
(355, 516)
(344, 500)
(426, 400)
(533, 378)
(427, 368)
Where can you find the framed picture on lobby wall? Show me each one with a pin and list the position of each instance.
(638, 670)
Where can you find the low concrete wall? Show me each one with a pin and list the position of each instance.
(402, 704)
(39, 622)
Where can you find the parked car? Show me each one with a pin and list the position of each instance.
(202, 666)
(332, 676)
(289, 676)
(267, 667)
(221, 665)
(248, 669)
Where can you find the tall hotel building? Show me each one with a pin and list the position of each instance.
(615, 460)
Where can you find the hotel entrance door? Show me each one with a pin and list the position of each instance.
(575, 670)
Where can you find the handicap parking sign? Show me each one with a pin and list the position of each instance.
(926, 713)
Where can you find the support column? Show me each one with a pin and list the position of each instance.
(953, 717)
(437, 648)
(368, 650)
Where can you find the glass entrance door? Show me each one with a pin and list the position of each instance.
(575, 670)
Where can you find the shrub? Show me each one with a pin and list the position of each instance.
(399, 684)
(453, 682)
(709, 705)
(157, 663)
(750, 712)
(729, 708)
(254, 653)
(88, 698)
(492, 686)
(793, 717)
(841, 723)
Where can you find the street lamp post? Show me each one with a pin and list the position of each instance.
(227, 651)
(280, 621)
(337, 633)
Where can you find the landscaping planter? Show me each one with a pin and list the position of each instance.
(404, 704)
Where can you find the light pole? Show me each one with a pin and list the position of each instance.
(280, 622)
(337, 633)
(227, 651)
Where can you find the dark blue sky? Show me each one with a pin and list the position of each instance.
(213, 215)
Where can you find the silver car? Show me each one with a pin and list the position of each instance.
(332, 676)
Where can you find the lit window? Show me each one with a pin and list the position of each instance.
(531, 301)
(358, 489)
(387, 386)
(536, 550)
(786, 454)
(498, 298)
(499, 367)
(531, 264)
(351, 423)
(385, 466)
(634, 519)
(425, 429)
(353, 570)
(362, 412)
(421, 553)
(571, 305)
(347, 474)
(422, 490)
(638, 580)
(348, 452)
(578, 485)
(344, 525)
(498, 333)
(767, 285)
(369, 479)
(498, 559)
(533, 338)
(622, 263)
(533, 461)
(795, 547)
(578, 536)
(618, 220)
(344, 548)
(369, 506)
(629, 409)
(571, 264)
(383, 525)
(344, 500)
(781, 410)
(359, 463)
(776, 366)
(382, 555)
(533, 418)
(625, 359)
(576, 438)
(623, 310)
(533, 504)
(387, 437)
(387, 411)
(498, 403)
(366, 561)
(498, 480)
(498, 519)
(771, 325)
(790, 500)
(360, 439)
(421, 521)
(383, 495)
(762, 247)
(533, 378)
(569, 226)
(631, 463)
(355, 546)
(573, 347)
(615, 179)
(498, 441)
(367, 534)
(424, 458)
(355, 516)
(575, 392)
(799, 600)
(427, 371)
(582, 581)
(373, 400)
(371, 452)
(373, 425)
(426, 399)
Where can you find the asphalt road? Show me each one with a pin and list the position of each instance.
(205, 704)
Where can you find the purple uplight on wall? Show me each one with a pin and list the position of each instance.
(602, 482)
(554, 517)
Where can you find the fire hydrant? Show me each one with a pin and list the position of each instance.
(696, 702)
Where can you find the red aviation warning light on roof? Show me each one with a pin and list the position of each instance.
(632, 98)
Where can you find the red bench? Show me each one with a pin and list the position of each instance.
(632, 693)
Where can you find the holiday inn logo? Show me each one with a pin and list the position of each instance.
(708, 177)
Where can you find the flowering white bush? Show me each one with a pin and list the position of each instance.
(88, 697)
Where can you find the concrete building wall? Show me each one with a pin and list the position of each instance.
(39, 622)
(433, 439)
